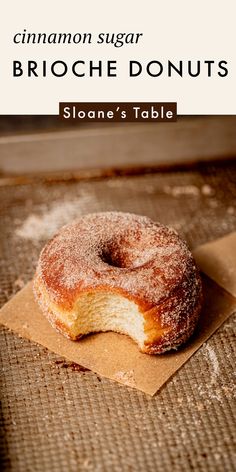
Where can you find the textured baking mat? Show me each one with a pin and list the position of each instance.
(115, 356)
(56, 417)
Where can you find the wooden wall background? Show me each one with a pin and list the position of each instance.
(43, 145)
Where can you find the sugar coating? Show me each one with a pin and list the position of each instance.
(120, 250)
(130, 254)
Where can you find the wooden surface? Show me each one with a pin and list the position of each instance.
(188, 140)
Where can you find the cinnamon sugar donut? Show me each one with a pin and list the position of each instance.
(120, 272)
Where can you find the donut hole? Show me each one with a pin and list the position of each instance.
(128, 254)
(112, 260)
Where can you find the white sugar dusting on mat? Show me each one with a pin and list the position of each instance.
(126, 377)
(43, 226)
(213, 390)
(191, 190)
(213, 360)
(179, 190)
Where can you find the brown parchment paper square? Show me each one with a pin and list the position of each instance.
(116, 356)
(217, 259)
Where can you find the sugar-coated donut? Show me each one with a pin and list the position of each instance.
(120, 272)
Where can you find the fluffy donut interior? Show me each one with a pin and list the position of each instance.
(101, 311)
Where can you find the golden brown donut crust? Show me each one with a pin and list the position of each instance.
(127, 254)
